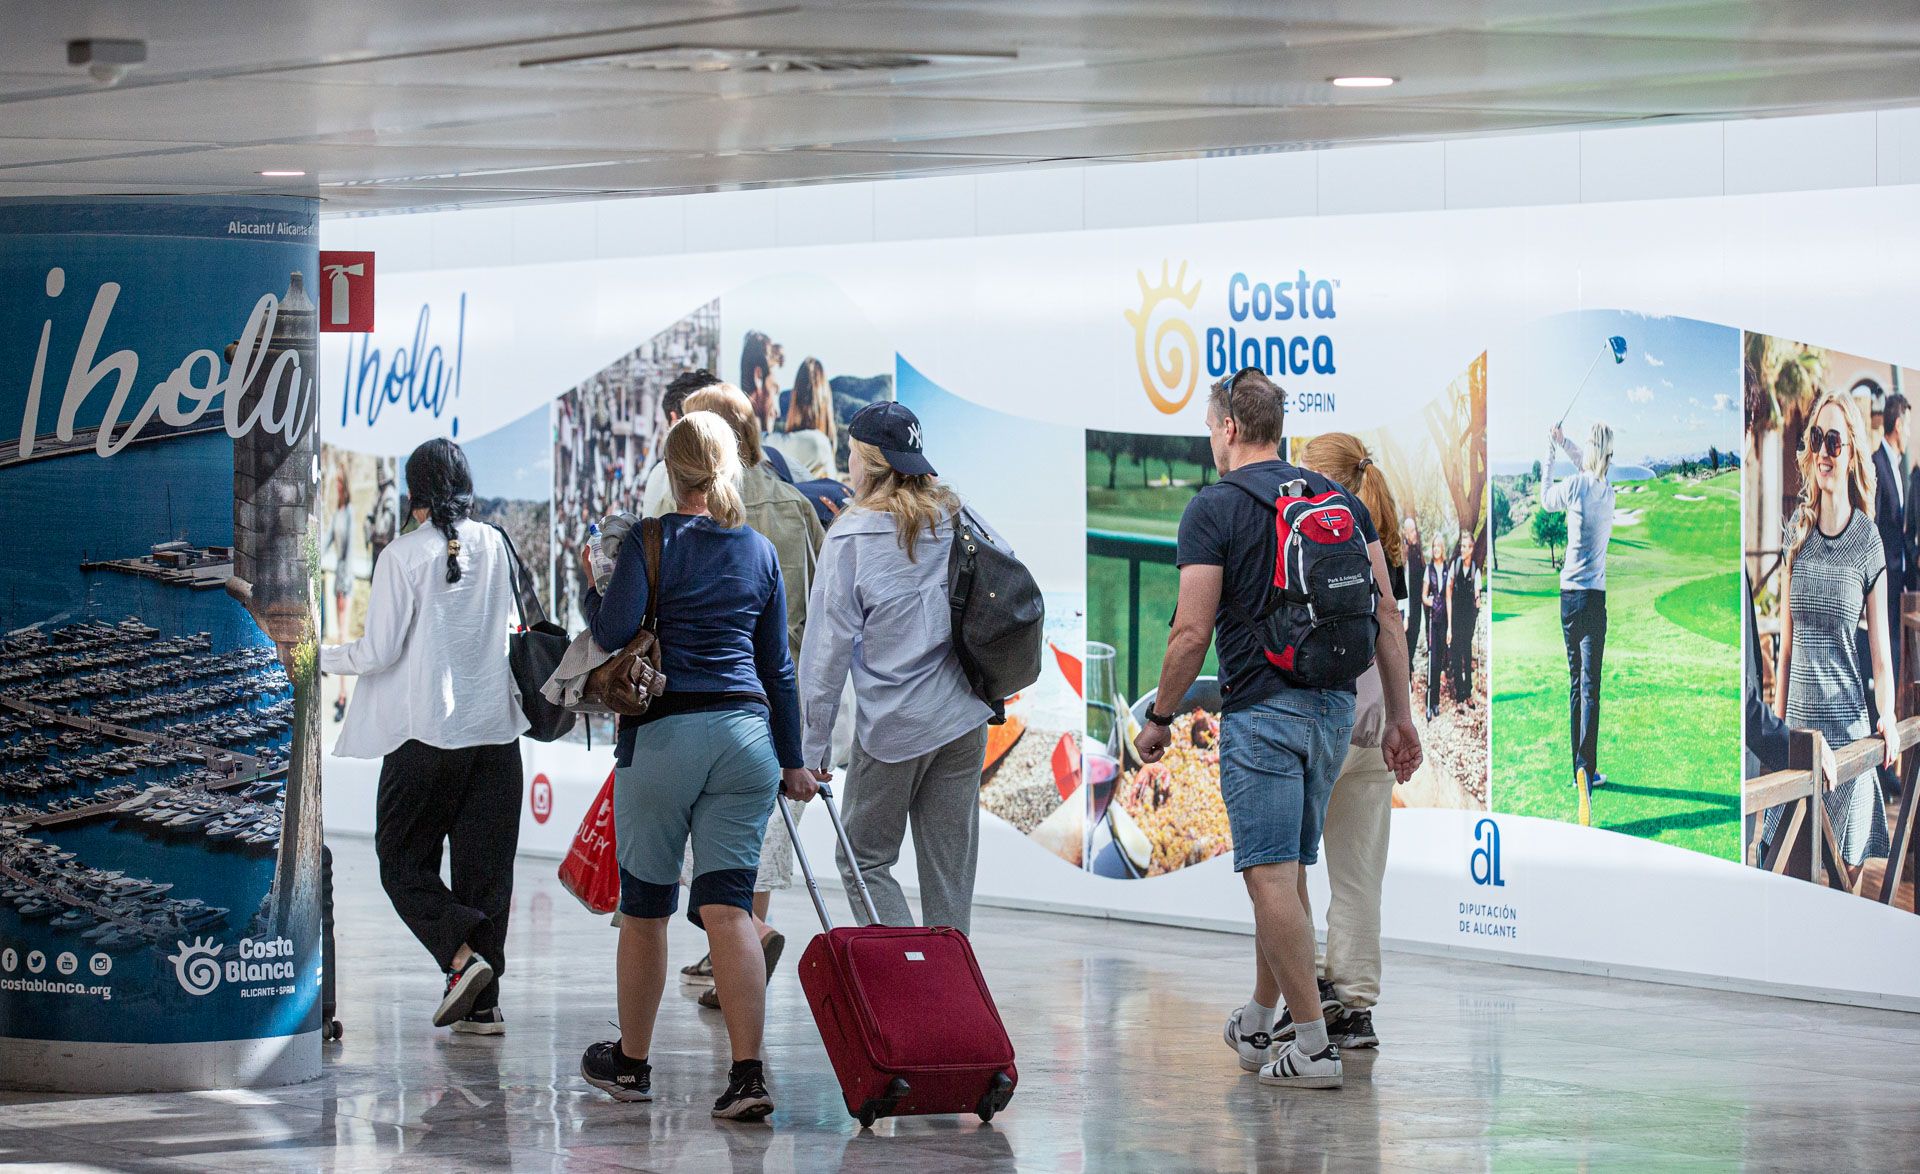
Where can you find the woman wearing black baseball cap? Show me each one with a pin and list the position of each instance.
(879, 610)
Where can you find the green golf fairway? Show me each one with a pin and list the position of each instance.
(1670, 685)
(1150, 512)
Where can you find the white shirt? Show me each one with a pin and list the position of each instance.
(809, 453)
(1893, 462)
(433, 663)
(656, 496)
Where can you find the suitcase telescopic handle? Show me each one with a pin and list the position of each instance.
(806, 867)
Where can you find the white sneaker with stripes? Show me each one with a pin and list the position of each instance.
(1295, 1069)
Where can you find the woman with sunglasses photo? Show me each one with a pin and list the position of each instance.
(1586, 498)
(1834, 577)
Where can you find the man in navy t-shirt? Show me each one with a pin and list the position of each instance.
(1281, 746)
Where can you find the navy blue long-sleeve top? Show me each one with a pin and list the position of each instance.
(723, 625)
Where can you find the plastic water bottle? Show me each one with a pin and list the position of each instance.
(602, 565)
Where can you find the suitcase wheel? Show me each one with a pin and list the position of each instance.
(999, 1092)
(332, 1030)
(885, 1104)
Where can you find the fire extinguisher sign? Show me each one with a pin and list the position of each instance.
(346, 292)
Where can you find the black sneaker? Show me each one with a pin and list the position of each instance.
(746, 1098)
(609, 1069)
(488, 1022)
(463, 989)
(1329, 1007)
(1352, 1029)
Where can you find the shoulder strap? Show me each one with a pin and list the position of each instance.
(652, 544)
(525, 597)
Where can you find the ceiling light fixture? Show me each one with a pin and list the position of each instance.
(1362, 83)
(283, 174)
(731, 59)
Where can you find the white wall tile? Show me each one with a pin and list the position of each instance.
(472, 238)
(1802, 154)
(1397, 177)
(1899, 135)
(1033, 199)
(641, 227)
(1513, 170)
(1665, 160)
(553, 232)
(717, 221)
(400, 244)
(1257, 187)
(920, 209)
(1129, 195)
(825, 214)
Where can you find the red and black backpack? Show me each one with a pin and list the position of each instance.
(1318, 623)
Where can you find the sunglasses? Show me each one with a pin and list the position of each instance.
(1819, 438)
(1226, 385)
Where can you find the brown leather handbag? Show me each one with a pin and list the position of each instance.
(628, 682)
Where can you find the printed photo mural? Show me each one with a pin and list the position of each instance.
(1616, 628)
(159, 818)
(1830, 548)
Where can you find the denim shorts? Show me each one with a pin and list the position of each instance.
(1278, 760)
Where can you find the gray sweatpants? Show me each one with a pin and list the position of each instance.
(940, 793)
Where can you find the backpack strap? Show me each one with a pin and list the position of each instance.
(966, 542)
(653, 536)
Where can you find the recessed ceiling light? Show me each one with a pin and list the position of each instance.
(283, 174)
(1362, 83)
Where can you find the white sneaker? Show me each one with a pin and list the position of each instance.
(1253, 1049)
(488, 1022)
(1296, 1069)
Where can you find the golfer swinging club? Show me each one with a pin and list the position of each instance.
(1587, 499)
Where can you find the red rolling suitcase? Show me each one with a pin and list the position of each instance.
(906, 1016)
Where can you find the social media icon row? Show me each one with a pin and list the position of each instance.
(67, 963)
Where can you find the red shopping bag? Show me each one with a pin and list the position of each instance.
(591, 871)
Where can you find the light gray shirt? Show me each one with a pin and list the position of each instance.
(1588, 503)
(885, 619)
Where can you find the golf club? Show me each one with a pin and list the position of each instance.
(1616, 345)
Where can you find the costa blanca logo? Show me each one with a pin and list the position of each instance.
(197, 967)
(1164, 344)
(1484, 864)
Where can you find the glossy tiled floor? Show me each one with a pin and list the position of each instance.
(1122, 1069)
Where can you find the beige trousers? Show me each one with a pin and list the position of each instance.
(1354, 845)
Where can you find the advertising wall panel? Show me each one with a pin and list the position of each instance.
(1582, 802)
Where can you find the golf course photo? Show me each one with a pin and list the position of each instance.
(1668, 747)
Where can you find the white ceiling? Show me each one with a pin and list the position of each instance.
(405, 104)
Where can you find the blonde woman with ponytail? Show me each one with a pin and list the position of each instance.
(1358, 821)
(879, 611)
(1835, 577)
(703, 763)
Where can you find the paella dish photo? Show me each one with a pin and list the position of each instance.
(1175, 803)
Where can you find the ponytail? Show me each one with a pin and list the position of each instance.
(703, 456)
(440, 481)
(1343, 457)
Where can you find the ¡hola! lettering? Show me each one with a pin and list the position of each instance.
(286, 405)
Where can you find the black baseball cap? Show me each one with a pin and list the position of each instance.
(894, 430)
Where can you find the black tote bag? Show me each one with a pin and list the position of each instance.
(534, 652)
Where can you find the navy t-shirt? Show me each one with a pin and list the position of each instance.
(1225, 527)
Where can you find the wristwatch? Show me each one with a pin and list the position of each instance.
(1159, 719)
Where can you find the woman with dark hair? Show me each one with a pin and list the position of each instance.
(759, 356)
(808, 443)
(437, 703)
